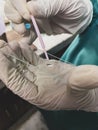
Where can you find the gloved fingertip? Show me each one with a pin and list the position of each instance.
(26, 16)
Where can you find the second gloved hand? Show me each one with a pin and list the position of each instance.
(36, 80)
(48, 84)
(52, 16)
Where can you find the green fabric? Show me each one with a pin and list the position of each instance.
(83, 50)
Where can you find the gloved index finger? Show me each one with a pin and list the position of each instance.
(20, 6)
(11, 13)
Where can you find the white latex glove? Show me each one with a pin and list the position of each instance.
(49, 84)
(53, 16)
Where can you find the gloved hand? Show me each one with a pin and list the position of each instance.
(53, 16)
(49, 84)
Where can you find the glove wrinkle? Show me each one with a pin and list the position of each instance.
(49, 84)
(52, 16)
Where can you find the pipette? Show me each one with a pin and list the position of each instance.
(39, 35)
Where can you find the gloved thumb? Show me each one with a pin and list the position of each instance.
(20, 7)
(84, 77)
